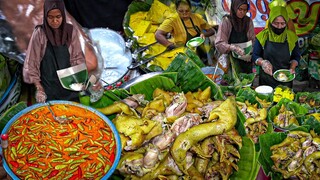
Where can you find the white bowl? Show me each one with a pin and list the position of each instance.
(266, 90)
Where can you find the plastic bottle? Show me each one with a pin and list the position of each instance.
(4, 141)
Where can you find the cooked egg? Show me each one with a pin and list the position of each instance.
(282, 77)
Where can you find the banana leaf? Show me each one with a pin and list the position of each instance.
(107, 99)
(234, 71)
(296, 108)
(239, 80)
(12, 111)
(266, 141)
(190, 76)
(161, 81)
(134, 7)
(235, 80)
(240, 123)
(196, 59)
(247, 94)
(241, 128)
(251, 95)
(304, 98)
(248, 163)
(313, 123)
(229, 90)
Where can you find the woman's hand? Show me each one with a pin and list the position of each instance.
(97, 86)
(238, 50)
(41, 96)
(171, 47)
(293, 66)
(292, 71)
(267, 67)
(202, 36)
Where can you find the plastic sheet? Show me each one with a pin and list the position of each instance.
(224, 62)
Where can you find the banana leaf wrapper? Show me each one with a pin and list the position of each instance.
(298, 110)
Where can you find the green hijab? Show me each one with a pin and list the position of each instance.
(268, 34)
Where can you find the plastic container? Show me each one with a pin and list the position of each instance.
(264, 90)
(212, 70)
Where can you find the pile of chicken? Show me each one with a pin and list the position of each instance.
(256, 119)
(177, 135)
(285, 117)
(298, 156)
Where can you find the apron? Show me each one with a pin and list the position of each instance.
(189, 36)
(240, 37)
(278, 54)
(200, 50)
(55, 58)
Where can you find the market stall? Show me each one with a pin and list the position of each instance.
(175, 121)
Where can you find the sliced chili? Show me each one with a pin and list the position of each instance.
(14, 164)
(32, 164)
(64, 133)
(53, 173)
(112, 156)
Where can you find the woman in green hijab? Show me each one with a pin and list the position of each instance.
(276, 48)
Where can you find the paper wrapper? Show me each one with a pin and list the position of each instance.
(75, 74)
(247, 47)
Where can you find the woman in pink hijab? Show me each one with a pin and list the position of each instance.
(54, 45)
(236, 28)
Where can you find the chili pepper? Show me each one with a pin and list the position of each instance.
(74, 177)
(126, 78)
(74, 125)
(112, 156)
(79, 172)
(53, 173)
(32, 164)
(14, 164)
(64, 133)
(88, 120)
(118, 83)
(14, 143)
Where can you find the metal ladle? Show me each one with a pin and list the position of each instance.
(60, 119)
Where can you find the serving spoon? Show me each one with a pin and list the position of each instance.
(60, 119)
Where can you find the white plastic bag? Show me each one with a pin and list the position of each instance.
(224, 62)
